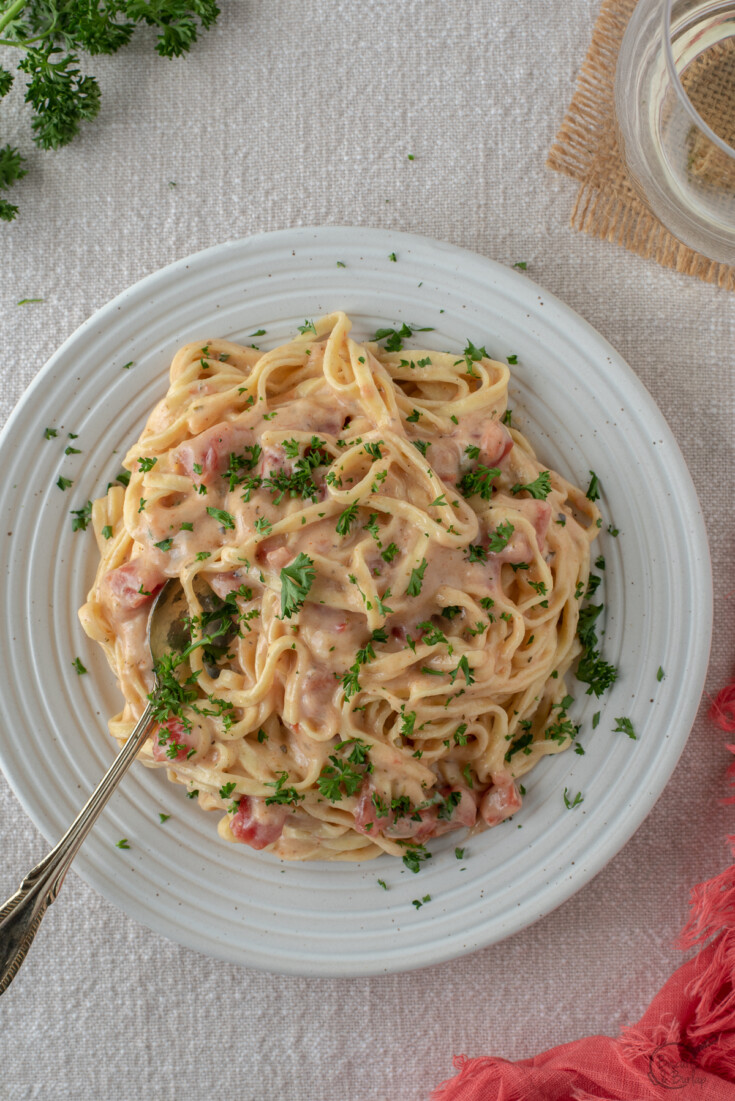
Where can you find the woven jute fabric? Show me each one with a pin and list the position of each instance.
(587, 148)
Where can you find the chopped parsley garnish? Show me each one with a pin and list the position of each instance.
(422, 446)
(524, 742)
(341, 777)
(415, 857)
(416, 579)
(347, 517)
(222, 517)
(282, 795)
(500, 538)
(81, 517)
(240, 467)
(521, 264)
(419, 902)
(479, 480)
(512, 360)
(408, 720)
(107, 531)
(593, 490)
(414, 417)
(507, 418)
(592, 670)
(144, 465)
(49, 433)
(478, 553)
(394, 337)
(539, 488)
(392, 256)
(381, 882)
(382, 606)
(390, 552)
(64, 483)
(164, 545)
(459, 854)
(625, 726)
(463, 666)
(72, 451)
(123, 843)
(473, 355)
(660, 674)
(227, 789)
(163, 817)
(123, 477)
(77, 663)
(300, 482)
(296, 581)
(570, 804)
(373, 450)
(307, 327)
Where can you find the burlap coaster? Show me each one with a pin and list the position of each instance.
(586, 148)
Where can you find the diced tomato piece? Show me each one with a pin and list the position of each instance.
(257, 824)
(225, 583)
(176, 737)
(495, 443)
(501, 800)
(462, 816)
(317, 691)
(274, 553)
(367, 820)
(131, 585)
(210, 451)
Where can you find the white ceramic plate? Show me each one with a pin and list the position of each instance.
(582, 408)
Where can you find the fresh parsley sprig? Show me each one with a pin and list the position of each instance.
(52, 33)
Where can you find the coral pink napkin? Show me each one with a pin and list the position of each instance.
(683, 1047)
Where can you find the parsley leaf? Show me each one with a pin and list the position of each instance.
(625, 726)
(501, 537)
(222, 517)
(394, 337)
(282, 795)
(416, 579)
(296, 581)
(593, 490)
(415, 857)
(81, 517)
(479, 481)
(539, 488)
(347, 517)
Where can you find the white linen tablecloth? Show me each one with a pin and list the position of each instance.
(291, 113)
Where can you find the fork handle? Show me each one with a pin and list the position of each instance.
(22, 914)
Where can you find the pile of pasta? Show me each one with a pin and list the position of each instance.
(382, 586)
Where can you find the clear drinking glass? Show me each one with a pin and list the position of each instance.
(675, 110)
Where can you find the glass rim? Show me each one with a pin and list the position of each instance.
(684, 98)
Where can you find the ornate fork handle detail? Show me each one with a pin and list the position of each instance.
(22, 914)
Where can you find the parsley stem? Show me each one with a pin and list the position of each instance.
(10, 14)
